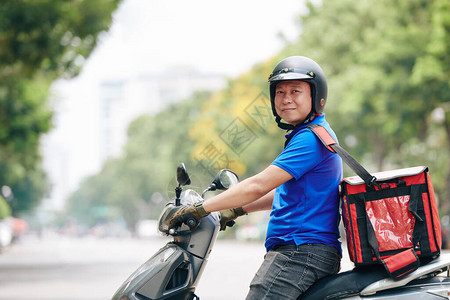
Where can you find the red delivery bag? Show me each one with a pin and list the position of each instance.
(390, 218)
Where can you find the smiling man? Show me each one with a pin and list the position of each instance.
(293, 101)
(300, 187)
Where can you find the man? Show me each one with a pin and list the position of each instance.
(300, 188)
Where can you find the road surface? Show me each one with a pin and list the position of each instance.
(65, 268)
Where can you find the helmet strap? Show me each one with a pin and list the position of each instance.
(282, 125)
(311, 116)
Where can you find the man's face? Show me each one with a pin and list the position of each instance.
(293, 101)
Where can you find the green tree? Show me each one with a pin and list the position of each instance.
(40, 41)
(431, 73)
(387, 65)
(5, 209)
(138, 184)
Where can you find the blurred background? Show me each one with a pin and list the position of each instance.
(100, 100)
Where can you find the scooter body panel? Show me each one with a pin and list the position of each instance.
(432, 288)
(203, 238)
(170, 272)
(175, 270)
(373, 283)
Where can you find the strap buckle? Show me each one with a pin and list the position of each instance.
(373, 182)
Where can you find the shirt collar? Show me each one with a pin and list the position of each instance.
(297, 129)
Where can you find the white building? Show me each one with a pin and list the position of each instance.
(92, 121)
(122, 101)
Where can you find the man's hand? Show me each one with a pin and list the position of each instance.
(191, 215)
(228, 215)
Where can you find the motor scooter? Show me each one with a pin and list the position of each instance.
(175, 270)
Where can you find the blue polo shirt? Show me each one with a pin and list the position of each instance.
(306, 208)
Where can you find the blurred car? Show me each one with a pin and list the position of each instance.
(147, 229)
(6, 233)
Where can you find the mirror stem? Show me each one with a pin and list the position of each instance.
(178, 190)
(212, 187)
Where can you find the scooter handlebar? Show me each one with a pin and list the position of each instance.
(191, 223)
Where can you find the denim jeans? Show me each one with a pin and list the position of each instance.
(288, 271)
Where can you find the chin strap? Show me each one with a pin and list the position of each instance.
(282, 125)
(288, 127)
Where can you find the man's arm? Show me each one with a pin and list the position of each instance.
(257, 190)
(263, 203)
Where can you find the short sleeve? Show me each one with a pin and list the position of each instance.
(302, 154)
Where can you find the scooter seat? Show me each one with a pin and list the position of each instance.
(344, 284)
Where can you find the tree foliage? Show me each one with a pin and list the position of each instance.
(137, 185)
(387, 64)
(5, 209)
(40, 41)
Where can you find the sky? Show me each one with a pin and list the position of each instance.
(223, 36)
(149, 36)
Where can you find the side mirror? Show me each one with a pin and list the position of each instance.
(225, 179)
(182, 175)
(183, 179)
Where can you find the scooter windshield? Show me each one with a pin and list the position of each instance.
(187, 198)
(190, 197)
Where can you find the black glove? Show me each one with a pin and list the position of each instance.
(228, 215)
(191, 215)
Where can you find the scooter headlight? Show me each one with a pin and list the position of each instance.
(154, 263)
(151, 263)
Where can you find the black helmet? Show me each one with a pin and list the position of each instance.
(304, 69)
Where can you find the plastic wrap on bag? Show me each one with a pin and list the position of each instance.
(392, 222)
